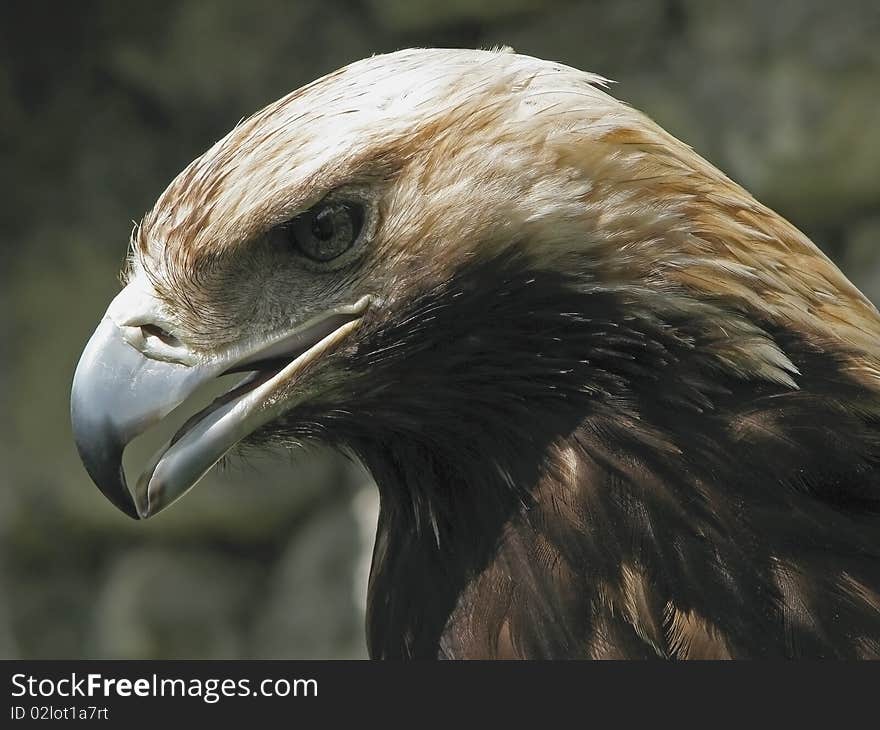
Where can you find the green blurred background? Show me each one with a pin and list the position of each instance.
(102, 102)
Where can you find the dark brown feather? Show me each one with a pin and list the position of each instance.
(567, 472)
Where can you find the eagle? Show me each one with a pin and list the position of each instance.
(614, 406)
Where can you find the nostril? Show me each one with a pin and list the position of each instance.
(164, 336)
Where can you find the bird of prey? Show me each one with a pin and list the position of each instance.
(614, 406)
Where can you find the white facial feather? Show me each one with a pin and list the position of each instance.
(469, 151)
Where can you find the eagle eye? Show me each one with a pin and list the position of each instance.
(327, 230)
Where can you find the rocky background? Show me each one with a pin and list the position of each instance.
(102, 102)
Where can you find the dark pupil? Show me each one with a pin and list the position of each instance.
(326, 231)
(324, 225)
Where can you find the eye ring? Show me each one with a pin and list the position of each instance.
(326, 231)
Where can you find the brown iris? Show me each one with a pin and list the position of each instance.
(326, 231)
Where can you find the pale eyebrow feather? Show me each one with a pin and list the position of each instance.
(697, 228)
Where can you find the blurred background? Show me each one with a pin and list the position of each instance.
(103, 102)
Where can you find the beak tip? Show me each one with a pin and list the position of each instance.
(117, 492)
(105, 469)
(122, 501)
(99, 430)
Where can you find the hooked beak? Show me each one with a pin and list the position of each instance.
(123, 385)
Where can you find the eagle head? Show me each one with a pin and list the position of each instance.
(360, 246)
(527, 308)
